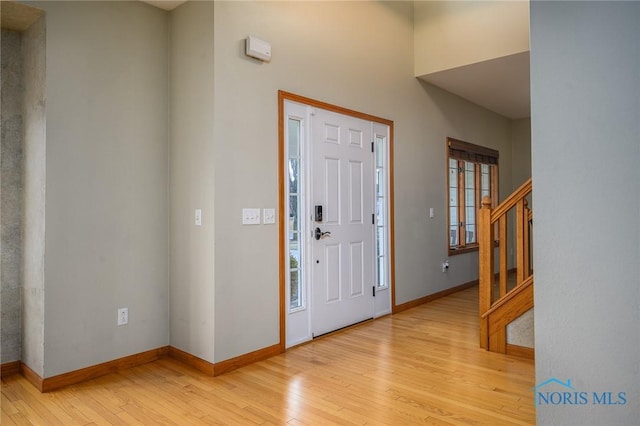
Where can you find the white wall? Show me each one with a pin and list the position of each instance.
(585, 63)
(354, 54)
(192, 183)
(521, 331)
(450, 34)
(34, 48)
(106, 240)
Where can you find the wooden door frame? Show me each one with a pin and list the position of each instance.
(282, 223)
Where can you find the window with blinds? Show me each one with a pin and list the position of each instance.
(472, 174)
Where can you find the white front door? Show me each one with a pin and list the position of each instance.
(342, 176)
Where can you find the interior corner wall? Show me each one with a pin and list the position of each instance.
(421, 243)
(585, 94)
(451, 34)
(192, 179)
(357, 55)
(11, 193)
(520, 151)
(34, 56)
(106, 221)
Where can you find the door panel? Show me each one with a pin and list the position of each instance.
(356, 266)
(355, 192)
(332, 190)
(343, 259)
(355, 138)
(333, 278)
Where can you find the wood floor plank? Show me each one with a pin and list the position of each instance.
(128, 419)
(5, 417)
(7, 406)
(110, 417)
(421, 366)
(31, 415)
(18, 419)
(40, 403)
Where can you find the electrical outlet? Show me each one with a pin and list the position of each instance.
(445, 266)
(123, 316)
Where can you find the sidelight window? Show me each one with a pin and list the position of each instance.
(294, 133)
(382, 275)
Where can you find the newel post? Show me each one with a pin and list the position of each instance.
(485, 261)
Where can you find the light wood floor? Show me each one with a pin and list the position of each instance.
(422, 366)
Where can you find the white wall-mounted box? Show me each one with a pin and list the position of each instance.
(258, 48)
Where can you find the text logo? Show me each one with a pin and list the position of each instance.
(556, 392)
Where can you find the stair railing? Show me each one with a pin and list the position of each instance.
(492, 221)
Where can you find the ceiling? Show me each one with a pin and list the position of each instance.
(17, 16)
(500, 85)
(165, 4)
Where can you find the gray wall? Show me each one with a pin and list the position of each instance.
(354, 54)
(109, 169)
(11, 169)
(192, 184)
(34, 48)
(106, 240)
(585, 63)
(521, 151)
(451, 34)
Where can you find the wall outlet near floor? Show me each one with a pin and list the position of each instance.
(123, 316)
(445, 266)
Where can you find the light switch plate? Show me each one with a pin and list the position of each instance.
(251, 216)
(269, 216)
(431, 212)
(198, 217)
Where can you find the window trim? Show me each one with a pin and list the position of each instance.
(465, 151)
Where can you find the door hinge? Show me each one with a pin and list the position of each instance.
(372, 149)
(374, 291)
(373, 218)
